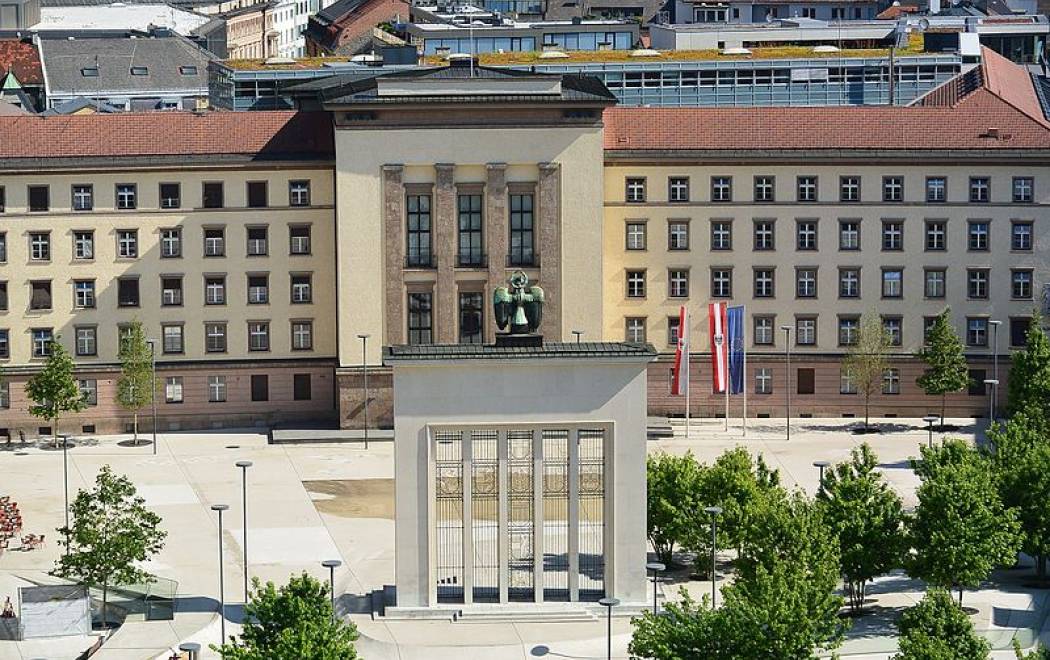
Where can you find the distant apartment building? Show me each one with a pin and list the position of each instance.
(348, 27)
(760, 11)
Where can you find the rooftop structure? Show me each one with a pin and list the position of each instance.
(760, 11)
(119, 16)
(347, 27)
(788, 31)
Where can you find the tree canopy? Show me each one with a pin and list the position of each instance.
(937, 629)
(136, 385)
(1029, 386)
(865, 360)
(53, 390)
(673, 491)
(946, 364)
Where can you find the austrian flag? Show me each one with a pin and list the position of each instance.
(680, 375)
(716, 315)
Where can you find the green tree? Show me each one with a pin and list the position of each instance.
(1029, 386)
(865, 360)
(53, 390)
(960, 530)
(866, 515)
(673, 491)
(137, 385)
(938, 629)
(292, 622)
(1039, 653)
(946, 365)
(112, 530)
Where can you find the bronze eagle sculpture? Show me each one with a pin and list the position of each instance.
(520, 306)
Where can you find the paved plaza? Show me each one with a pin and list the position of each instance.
(307, 503)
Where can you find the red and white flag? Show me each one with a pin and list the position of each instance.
(680, 376)
(716, 317)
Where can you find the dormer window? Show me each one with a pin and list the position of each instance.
(89, 72)
(139, 71)
(188, 70)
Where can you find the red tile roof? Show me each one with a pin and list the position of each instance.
(23, 59)
(958, 115)
(257, 135)
(896, 11)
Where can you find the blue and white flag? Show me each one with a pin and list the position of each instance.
(735, 323)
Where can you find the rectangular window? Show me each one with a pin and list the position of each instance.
(721, 189)
(522, 231)
(1021, 284)
(849, 188)
(848, 328)
(678, 283)
(302, 335)
(3, 296)
(40, 247)
(216, 389)
(258, 336)
(635, 235)
(170, 195)
(173, 339)
(847, 381)
(977, 386)
(127, 243)
(212, 195)
(1019, 330)
(634, 329)
(258, 195)
(299, 193)
(935, 282)
(980, 189)
(765, 234)
(977, 283)
(892, 283)
(678, 189)
(893, 327)
(302, 288)
(763, 330)
(765, 189)
(673, 326)
(936, 189)
(3, 247)
(88, 391)
(892, 235)
(301, 387)
(3, 198)
(471, 318)
(420, 318)
(128, 291)
(721, 235)
(258, 246)
(807, 189)
(806, 331)
(1021, 235)
(418, 234)
(763, 380)
(471, 246)
(1024, 189)
(677, 235)
(805, 380)
(86, 340)
(849, 283)
(40, 295)
(721, 283)
(84, 294)
(42, 338)
(215, 242)
(849, 234)
(936, 235)
(126, 196)
(170, 243)
(83, 197)
(764, 283)
(927, 325)
(258, 289)
(634, 190)
(806, 234)
(5, 395)
(215, 337)
(977, 236)
(893, 189)
(806, 282)
(39, 198)
(215, 290)
(636, 284)
(173, 389)
(891, 381)
(83, 245)
(977, 331)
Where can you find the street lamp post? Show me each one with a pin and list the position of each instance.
(787, 376)
(219, 508)
(608, 604)
(930, 419)
(153, 389)
(715, 511)
(995, 323)
(331, 565)
(364, 369)
(993, 384)
(244, 465)
(65, 483)
(578, 333)
(656, 568)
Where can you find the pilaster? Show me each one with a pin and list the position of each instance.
(394, 253)
(445, 307)
(549, 219)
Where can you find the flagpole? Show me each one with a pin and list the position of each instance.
(743, 417)
(727, 389)
(687, 388)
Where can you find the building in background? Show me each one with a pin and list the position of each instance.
(761, 11)
(21, 74)
(349, 27)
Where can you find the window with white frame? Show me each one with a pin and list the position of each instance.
(892, 282)
(302, 288)
(806, 231)
(721, 283)
(847, 381)
(84, 294)
(126, 193)
(302, 335)
(173, 389)
(765, 189)
(171, 291)
(84, 245)
(849, 283)
(1021, 284)
(764, 284)
(299, 193)
(172, 338)
(258, 289)
(848, 328)
(258, 336)
(1021, 235)
(678, 235)
(634, 189)
(806, 189)
(935, 282)
(763, 380)
(127, 243)
(977, 283)
(673, 328)
(849, 234)
(936, 235)
(1023, 189)
(721, 235)
(214, 242)
(678, 283)
(849, 189)
(86, 340)
(892, 235)
(216, 389)
(763, 330)
(891, 381)
(893, 189)
(634, 329)
(892, 325)
(977, 331)
(257, 244)
(977, 236)
(5, 344)
(88, 391)
(299, 235)
(806, 282)
(42, 338)
(936, 189)
(170, 243)
(215, 337)
(806, 331)
(215, 290)
(765, 234)
(721, 189)
(40, 246)
(635, 235)
(678, 189)
(83, 197)
(636, 284)
(980, 189)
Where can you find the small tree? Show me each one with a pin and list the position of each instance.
(866, 515)
(946, 365)
(737, 483)
(53, 390)
(866, 359)
(1039, 653)
(673, 485)
(293, 622)
(960, 530)
(112, 530)
(136, 385)
(938, 629)
(1029, 386)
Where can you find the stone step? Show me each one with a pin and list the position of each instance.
(561, 615)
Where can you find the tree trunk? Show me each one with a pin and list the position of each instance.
(960, 596)
(105, 594)
(54, 433)
(944, 405)
(135, 427)
(867, 401)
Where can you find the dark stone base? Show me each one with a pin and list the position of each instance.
(531, 340)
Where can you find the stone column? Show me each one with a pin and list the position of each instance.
(548, 215)
(445, 239)
(394, 253)
(497, 227)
